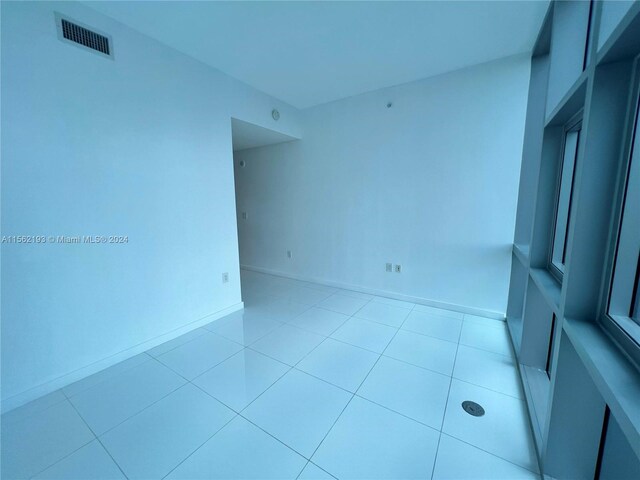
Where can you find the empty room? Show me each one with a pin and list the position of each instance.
(320, 240)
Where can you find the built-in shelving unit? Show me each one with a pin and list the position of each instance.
(580, 385)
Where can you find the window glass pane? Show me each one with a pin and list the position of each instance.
(624, 301)
(564, 199)
(550, 349)
(635, 297)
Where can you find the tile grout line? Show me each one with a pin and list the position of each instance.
(37, 412)
(482, 449)
(450, 382)
(424, 368)
(331, 428)
(393, 358)
(451, 377)
(206, 330)
(244, 347)
(134, 346)
(67, 397)
(96, 437)
(488, 452)
(239, 413)
(301, 328)
(315, 465)
(444, 414)
(232, 409)
(510, 357)
(345, 406)
(202, 444)
(371, 297)
(354, 393)
(396, 412)
(479, 386)
(383, 350)
(189, 382)
(311, 306)
(354, 315)
(233, 417)
(68, 454)
(396, 360)
(318, 333)
(148, 406)
(365, 378)
(367, 301)
(488, 389)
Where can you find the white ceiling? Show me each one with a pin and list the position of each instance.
(307, 53)
(247, 135)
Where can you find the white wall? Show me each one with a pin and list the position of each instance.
(430, 184)
(138, 146)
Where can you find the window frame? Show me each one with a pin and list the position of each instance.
(625, 330)
(588, 48)
(572, 126)
(549, 363)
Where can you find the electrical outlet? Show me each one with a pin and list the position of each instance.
(389, 267)
(225, 277)
(398, 268)
(244, 215)
(289, 254)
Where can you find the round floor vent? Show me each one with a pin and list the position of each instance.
(473, 408)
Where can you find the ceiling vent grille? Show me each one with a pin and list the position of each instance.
(84, 37)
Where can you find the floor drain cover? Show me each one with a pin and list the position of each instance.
(472, 408)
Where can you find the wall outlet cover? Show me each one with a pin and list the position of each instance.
(288, 253)
(225, 277)
(398, 269)
(389, 267)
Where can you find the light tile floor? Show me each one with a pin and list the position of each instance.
(307, 382)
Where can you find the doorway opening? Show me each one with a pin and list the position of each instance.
(250, 156)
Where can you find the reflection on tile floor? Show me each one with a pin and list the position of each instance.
(308, 382)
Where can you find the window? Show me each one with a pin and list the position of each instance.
(635, 298)
(549, 364)
(563, 199)
(589, 41)
(624, 297)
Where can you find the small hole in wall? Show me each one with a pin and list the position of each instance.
(242, 163)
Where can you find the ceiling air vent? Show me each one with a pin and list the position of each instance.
(76, 33)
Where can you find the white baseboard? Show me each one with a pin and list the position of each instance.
(67, 379)
(382, 293)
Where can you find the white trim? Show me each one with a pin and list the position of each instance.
(83, 372)
(383, 293)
